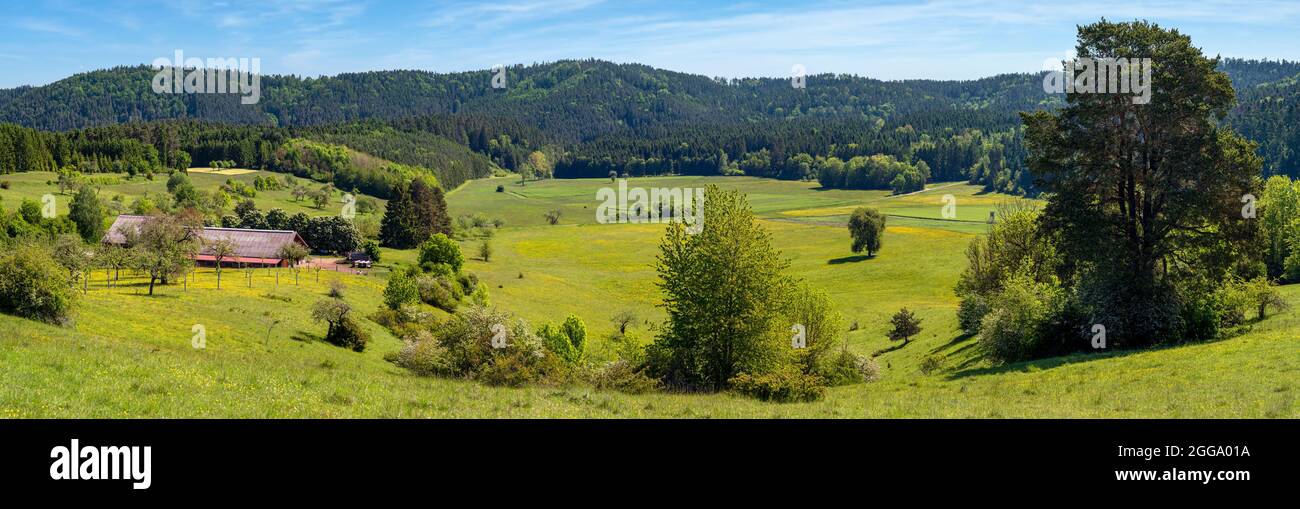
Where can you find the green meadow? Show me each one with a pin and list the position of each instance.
(34, 185)
(131, 355)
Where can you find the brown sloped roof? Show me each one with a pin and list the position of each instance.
(247, 243)
(124, 223)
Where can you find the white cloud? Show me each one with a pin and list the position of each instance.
(47, 26)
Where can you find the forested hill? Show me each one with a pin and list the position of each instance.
(598, 117)
(571, 100)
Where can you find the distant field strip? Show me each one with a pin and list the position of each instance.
(228, 171)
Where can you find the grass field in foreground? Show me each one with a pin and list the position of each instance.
(129, 355)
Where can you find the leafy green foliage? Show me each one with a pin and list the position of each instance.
(33, 285)
(401, 289)
(723, 290)
(1139, 243)
(786, 386)
(463, 348)
(416, 212)
(1013, 243)
(905, 325)
(867, 227)
(441, 249)
(568, 340)
(1016, 325)
(88, 213)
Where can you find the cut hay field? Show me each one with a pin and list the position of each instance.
(130, 355)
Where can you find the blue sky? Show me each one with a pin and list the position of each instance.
(42, 42)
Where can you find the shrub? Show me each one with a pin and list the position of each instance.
(812, 308)
(33, 285)
(439, 292)
(848, 368)
(553, 216)
(971, 312)
(568, 340)
(342, 331)
(441, 249)
(372, 250)
(784, 386)
(485, 251)
(401, 289)
(336, 289)
(349, 334)
(423, 355)
(403, 321)
(1017, 317)
(931, 364)
(468, 281)
(623, 376)
(1013, 243)
(462, 347)
(501, 188)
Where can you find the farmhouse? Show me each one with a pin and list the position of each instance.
(251, 247)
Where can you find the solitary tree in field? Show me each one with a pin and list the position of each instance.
(221, 249)
(553, 216)
(623, 320)
(905, 325)
(867, 227)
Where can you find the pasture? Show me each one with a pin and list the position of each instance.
(131, 355)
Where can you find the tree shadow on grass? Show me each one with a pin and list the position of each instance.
(966, 370)
(306, 337)
(156, 295)
(849, 259)
(954, 342)
(884, 351)
(1049, 363)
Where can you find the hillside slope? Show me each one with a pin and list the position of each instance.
(129, 355)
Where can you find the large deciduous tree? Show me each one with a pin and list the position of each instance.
(724, 290)
(1146, 198)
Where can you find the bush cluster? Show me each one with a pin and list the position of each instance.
(463, 348)
(786, 386)
(33, 285)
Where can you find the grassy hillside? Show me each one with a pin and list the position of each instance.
(33, 185)
(131, 355)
